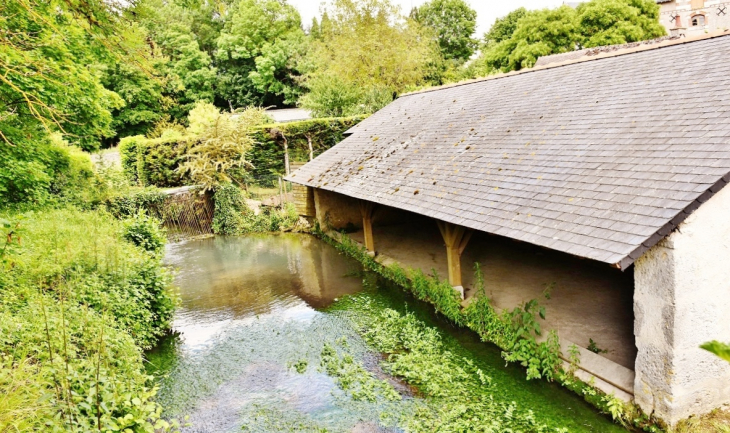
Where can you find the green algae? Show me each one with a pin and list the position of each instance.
(259, 311)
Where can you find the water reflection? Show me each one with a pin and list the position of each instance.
(252, 308)
(249, 312)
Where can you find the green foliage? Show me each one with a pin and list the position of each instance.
(131, 203)
(267, 156)
(219, 153)
(142, 92)
(230, 207)
(258, 52)
(612, 22)
(453, 23)
(32, 172)
(353, 378)
(20, 401)
(520, 38)
(720, 349)
(459, 395)
(515, 331)
(370, 51)
(504, 27)
(157, 161)
(78, 305)
(145, 232)
(233, 217)
(46, 84)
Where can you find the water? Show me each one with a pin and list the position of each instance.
(254, 308)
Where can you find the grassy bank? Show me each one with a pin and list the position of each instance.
(78, 304)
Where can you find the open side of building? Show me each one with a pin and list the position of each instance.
(598, 165)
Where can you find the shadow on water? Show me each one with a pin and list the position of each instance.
(254, 307)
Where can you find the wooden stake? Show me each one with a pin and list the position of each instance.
(456, 239)
(287, 170)
(366, 210)
(311, 149)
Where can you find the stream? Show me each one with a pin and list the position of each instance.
(255, 315)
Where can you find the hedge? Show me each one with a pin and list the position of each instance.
(155, 161)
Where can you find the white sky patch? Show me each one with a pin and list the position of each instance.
(487, 10)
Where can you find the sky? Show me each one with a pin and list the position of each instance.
(487, 10)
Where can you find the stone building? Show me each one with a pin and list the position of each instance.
(694, 17)
(593, 173)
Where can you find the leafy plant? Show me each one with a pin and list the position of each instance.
(77, 308)
(145, 232)
(722, 350)
(593, 347)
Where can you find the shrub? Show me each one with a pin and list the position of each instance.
(219, 154)
(233, 217)
(229, 210)
(128, 152)
(32, 171)
(145, 232)
(131, 202)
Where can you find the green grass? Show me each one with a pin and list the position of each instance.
(77, 306)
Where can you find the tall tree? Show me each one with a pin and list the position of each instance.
(453, 23)
(257, 54)
(504, 27)
(611, 22)
(368, 51)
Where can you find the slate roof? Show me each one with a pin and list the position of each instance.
(600, 159)
(578, 54)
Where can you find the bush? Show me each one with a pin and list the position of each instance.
(31, 171)
(233, 217)
(79, 300)
(128, 151)
(130, 203)
(230, 208)
(145, 232)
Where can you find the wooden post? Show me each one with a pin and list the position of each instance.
(311, 149)
(287, 170)
(367, 209)
(281, 194)
(456, 239)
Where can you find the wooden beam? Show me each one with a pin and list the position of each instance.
(456, 239)
(367, 209)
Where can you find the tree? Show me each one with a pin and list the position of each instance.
(539, 33)
(257, 54)
(47, 74)
(187, 69)
(367, 52)
(612, 22)
(144, 103)
(503, 28)
(519, 39)
(453, 23)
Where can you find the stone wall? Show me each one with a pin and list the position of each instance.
(336, 211)
(712, 10)
(681, 300)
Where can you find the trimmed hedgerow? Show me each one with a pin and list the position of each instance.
(156, 161)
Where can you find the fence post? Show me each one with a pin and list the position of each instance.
(281, 194)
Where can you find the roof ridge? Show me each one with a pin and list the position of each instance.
(583, 59)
